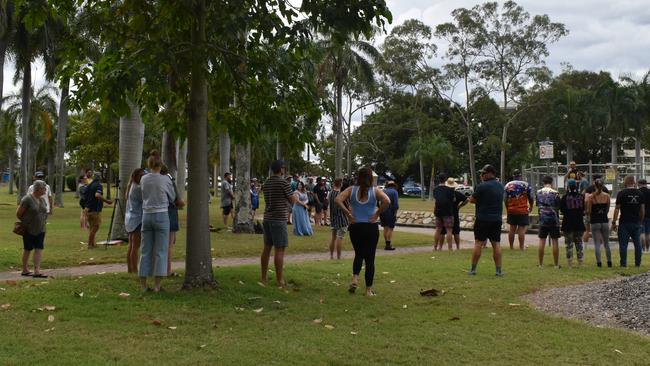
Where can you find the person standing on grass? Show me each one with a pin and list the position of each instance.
(174, 226)
(94, 201)
(388, 218)
(338, 220)
(81, 186)
(488, 198)
(583, 184)
(548, 205)
(572, 206)
(572, 172)
(519, 202)
(255, 198)
(32, 213)
(47, 197)
(301, 224)
(277, 198)
(645, 231)
(133, 219)
(443, 211)
(597, 210)
(367, 202)
(630, 203)
(226, 197)
(459, 201)
(321, 193)
(157, 194)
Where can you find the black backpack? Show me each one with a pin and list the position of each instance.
(84, 193)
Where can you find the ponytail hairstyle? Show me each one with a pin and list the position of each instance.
(364, 181)
(154, 161)
(598, 184)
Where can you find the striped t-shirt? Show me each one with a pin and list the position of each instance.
(337, 217)
(276, 197)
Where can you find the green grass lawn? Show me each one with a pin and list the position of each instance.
(64, 236)
(472, 323)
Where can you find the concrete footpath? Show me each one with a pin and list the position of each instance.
(467, 242)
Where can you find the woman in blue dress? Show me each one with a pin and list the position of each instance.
(301, 225)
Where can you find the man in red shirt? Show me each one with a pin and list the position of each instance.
(519, 202)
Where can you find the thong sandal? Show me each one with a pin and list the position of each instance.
(26, 273)
(39, 275)
(353, 288)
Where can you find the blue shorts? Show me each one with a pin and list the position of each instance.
(646, 225)
(31, 242)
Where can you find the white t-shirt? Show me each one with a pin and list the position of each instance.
(45, 197)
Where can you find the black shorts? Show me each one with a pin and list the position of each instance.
(318, 206)
(227, 210)
(31, 242)
(455, 230)
(173, 219)
(518, 220)
(545, 231)
(484, 230)
(388, 219)
(275, 234)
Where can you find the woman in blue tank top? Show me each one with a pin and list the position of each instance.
(364, 231)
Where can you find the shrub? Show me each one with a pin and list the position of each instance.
(71, 182)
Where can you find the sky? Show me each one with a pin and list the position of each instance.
(604, 34)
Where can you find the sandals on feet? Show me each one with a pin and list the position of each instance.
(28, 273)
(39, 275)
(353, 288)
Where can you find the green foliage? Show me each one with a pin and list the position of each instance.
(91, 140)
(71, 182)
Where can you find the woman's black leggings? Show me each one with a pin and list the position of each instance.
(364, 237)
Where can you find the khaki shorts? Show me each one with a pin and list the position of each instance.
(94, 219)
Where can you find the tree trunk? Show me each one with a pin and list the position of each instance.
(470, 142)
(338, 158)
(109, 181)
(569, 152)
(243, 222)
(348, 147)
(422, 179)
(432, 181)
(614, 150)
(215, 180)
(11, 172)
(26, 168)
(198, 263)
(279, 154)
(131, 145)
(224, 154)
(61, 135)
(182, 166)
(637, 155)
(168, 155)
(504, 140)
(50, 170)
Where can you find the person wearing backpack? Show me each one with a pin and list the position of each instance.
(93, 202)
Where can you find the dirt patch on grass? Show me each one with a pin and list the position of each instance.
(618, 303)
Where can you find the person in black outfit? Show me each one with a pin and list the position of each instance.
(645, 238)
(629, 202)
(572, 206)
(444, 211)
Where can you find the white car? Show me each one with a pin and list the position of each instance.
(466, 190)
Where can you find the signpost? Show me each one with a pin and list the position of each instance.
(546, 153)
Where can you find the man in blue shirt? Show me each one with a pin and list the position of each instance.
(389, 216)
(488, 198)
(94, 204)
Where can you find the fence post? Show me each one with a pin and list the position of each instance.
(591, 172)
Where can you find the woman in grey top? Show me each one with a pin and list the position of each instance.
(157, 193)
(133, 219)
(32, 213)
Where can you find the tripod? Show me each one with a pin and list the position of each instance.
(118, 202)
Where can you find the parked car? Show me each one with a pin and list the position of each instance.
(412, 190)
(466, 190)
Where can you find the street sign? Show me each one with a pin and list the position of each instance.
(546, 150)
(610, 174)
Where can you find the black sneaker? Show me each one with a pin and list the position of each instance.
(389, 248)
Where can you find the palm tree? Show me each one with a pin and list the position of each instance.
(340, 63)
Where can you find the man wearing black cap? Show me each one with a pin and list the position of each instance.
(278, 198)
(47, 197)
(645, 238)
(488, 198)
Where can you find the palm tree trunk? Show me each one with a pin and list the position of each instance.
(338, 162)
(198, 263)
(61, 135)
(182, 166)
(131, 145)
(504, 140)
(11, 172)
(243, 222)
(569, 152)
(26, 149)
(348, 147)
(224, 153)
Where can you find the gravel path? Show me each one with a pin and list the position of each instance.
(620, 303)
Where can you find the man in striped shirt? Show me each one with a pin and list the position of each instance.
(337, 219)
(278, 198)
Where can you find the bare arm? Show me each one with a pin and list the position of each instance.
(341, 199)
(101, 198)
(385, 202)
(615, 218)
(20, 212)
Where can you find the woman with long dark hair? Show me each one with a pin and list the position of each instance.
(362, 215)
(133, 219)
(597, 211)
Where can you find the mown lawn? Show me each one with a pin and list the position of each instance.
(63, 241)
(479, 320)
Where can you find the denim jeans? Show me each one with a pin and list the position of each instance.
(625, 232)
(155, 241)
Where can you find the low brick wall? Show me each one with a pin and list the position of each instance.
(427, 219)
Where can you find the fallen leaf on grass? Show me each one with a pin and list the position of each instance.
(49, 330)
(241, 282)
(49, 307)
(454, 318)
(91, 259)
(124, 294)
(202, 346)
(322, 301)
(392, 281)
(171, 328)
(493, 314)
(5, 306)
(79, 294)
(261, 284)
(11, 282)
(514, 304)
(156, 322)
(617, 351)
(2, 289)
(254, 298)
(50, 318)
(258, 310)
(318, 321)
(353, 333)
(277, 301)
(336, 283)
(329, 327)
(404, 306)
(431, 292)
(239, 309)
(385, 272)
(101, 273)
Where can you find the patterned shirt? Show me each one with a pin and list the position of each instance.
(277, 192)
(518, 193)
(548, 205)
(337, 217)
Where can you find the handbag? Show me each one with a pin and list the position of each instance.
(19, 228)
